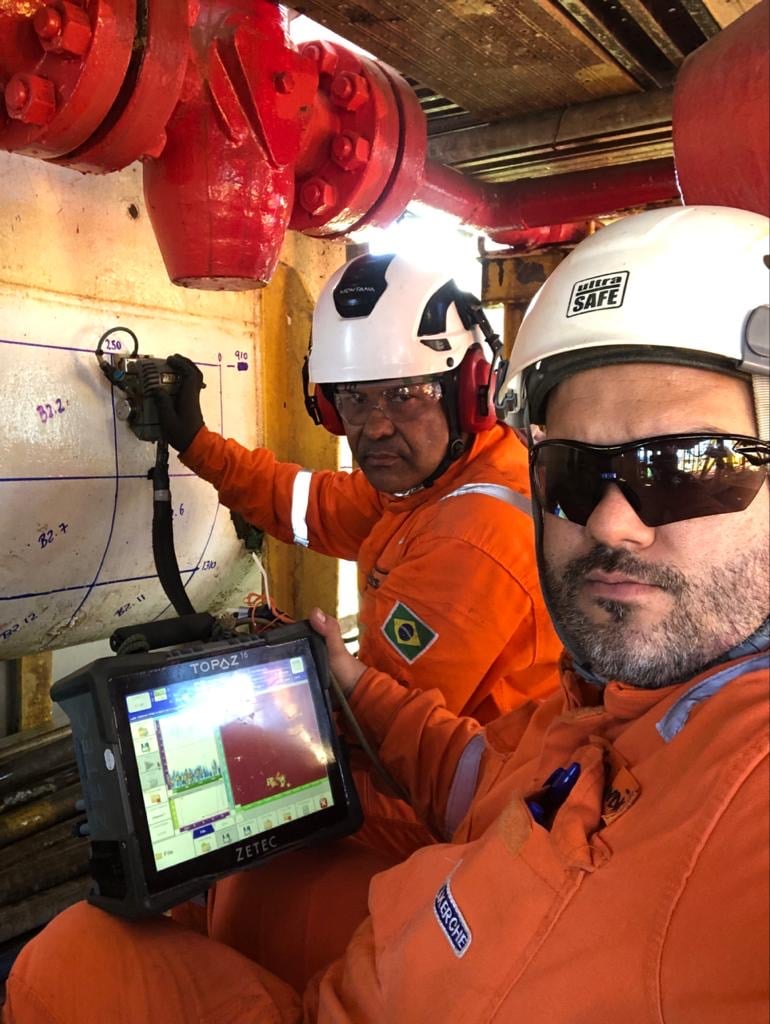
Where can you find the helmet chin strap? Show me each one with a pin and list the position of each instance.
(458, 444)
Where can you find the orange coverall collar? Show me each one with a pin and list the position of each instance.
(480, 444)
(621, 701)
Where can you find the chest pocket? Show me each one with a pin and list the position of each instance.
(390, 555)
(485, 907)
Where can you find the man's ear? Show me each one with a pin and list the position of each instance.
(537, 434)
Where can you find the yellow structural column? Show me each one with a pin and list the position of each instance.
(31, 677)
(299, 578)
(514, 279)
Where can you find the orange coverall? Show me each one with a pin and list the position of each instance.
(461, 568)
(645, 902)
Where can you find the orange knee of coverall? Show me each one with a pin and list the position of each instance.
(89, 966)
(297, 914)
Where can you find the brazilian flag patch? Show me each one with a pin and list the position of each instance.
(407, 633)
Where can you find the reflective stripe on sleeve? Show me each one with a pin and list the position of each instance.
(463, 784)
(499, 491)
(300, 497)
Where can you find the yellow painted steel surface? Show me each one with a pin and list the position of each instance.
(300, 578)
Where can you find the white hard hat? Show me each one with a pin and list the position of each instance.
(383, 318)
(686, 285)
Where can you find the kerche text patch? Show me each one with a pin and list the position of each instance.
(594, 293)
(451, 921)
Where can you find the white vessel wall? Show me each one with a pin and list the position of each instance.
(77, 257)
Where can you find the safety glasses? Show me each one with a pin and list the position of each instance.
(403, 402)
(664, 479)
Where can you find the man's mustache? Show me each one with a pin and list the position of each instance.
(377, 448)
(608, 559)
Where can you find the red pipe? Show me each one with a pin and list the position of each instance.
(720, 118)
(536, 202)
(254, 116)
(526, 239)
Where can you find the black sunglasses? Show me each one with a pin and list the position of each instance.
(664, 479)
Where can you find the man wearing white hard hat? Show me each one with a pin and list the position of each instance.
(398, 365)
(607, 852)
(439, 521)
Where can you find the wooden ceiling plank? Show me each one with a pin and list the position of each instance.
(492, 57)
(724, 12)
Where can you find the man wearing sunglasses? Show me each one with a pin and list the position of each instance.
(607, 852)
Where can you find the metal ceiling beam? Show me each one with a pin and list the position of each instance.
(594, 27)
(702, 16)
(652, 28)
(620, 117)
(571, 161)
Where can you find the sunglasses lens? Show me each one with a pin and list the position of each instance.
(689, 478)
(567, 484)
(665, 480)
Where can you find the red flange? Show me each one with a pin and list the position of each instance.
(135, 126)
(19, 47)
(354, 152)
(57, 98)
(409, 168)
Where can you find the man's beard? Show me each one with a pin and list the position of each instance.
(711, 613)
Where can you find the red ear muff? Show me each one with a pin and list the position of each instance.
(475, 393)
(320, 407)
(327, 412)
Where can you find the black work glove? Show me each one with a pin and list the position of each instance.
(180, 414)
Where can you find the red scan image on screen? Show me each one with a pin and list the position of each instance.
(276, 748)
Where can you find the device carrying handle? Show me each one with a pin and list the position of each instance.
(115, 374)
(186, 629)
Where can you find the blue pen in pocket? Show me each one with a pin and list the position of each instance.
(544, 804)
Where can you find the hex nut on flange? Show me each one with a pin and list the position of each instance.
(349, 90)
(63, 28)
(350, 151)
(323, 55)
(284, 82)
(30, 99)
(316, 196)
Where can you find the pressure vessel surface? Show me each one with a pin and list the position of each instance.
(75, 501)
